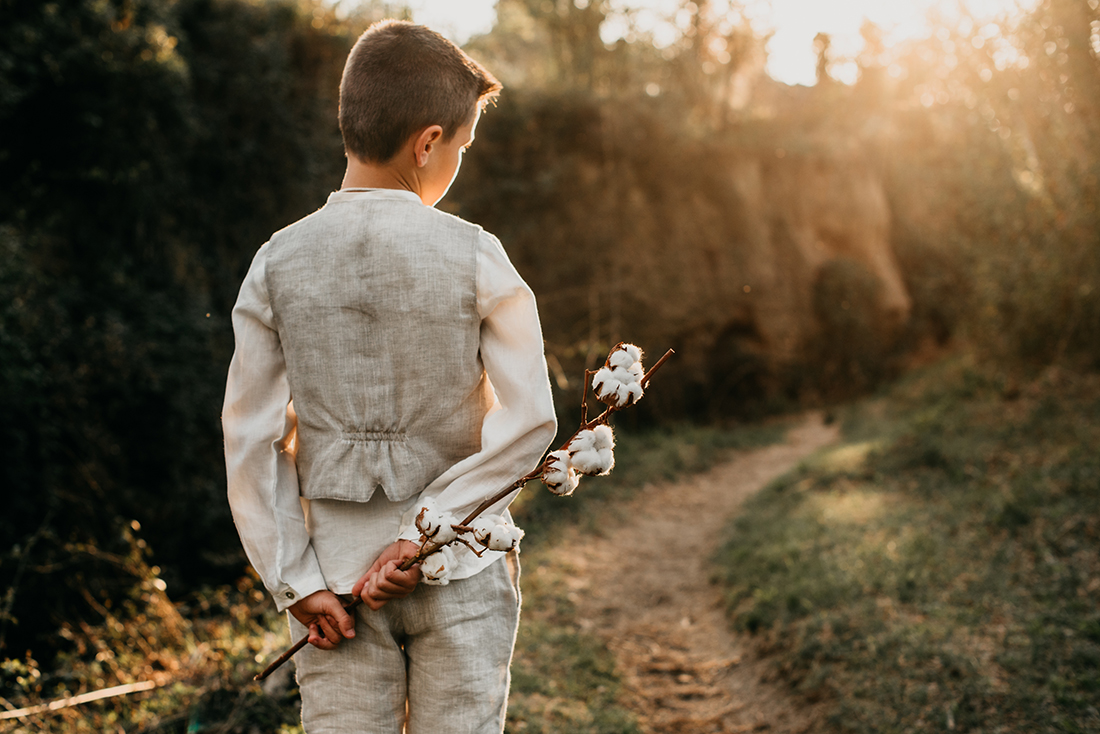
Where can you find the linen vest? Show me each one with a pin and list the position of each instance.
(374, 297)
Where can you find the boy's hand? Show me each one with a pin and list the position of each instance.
(324, 614)
(384, 581)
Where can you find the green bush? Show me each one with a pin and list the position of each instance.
(147, 149)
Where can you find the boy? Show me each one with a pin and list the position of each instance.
(387, 353)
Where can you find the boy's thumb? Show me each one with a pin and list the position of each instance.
(344, 621)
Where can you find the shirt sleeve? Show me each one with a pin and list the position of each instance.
(260, 430)
(521, 423)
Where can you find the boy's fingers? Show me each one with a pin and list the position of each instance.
(396, 586)
(405, 579)
(317, 640)
(385, 586)
(393, 571)
(346, 624)
(369, 593)
(373, 568)
(332, 633)
(338, 616)
(373, 604)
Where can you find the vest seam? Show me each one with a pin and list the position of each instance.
(370, 436)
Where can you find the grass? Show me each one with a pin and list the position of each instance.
(641, 458)
(204, 652)
(563, 679)
(202, 655)
(940, 568)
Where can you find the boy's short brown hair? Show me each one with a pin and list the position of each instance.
(401, 78)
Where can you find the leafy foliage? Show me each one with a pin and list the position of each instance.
(200, 656)
(149, 147)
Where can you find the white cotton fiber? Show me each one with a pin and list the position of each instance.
(604, 438)
(620, 358)
(583, 441)
(558, 473)
(593, 462)
(504, 541)
(436, 569)
(483, 527)
(602, 377)
(434, 524)
(618, 382)
(504, 537)
(496, 533)
(590, 451)
(623, 375)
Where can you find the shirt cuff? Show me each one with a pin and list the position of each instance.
(286, 595)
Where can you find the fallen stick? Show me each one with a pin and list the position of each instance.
(64, 703)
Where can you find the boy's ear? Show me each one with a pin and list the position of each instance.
(425, 143)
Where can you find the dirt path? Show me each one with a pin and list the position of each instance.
(650, 597)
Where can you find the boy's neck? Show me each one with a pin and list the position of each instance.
(364, 175)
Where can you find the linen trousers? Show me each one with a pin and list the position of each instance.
(434, 662)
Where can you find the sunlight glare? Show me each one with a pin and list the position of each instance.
(793, 24)
(791, 56)
(458, 20)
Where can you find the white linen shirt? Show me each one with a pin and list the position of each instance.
(298, 546)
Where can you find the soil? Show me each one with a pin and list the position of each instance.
(645, 587)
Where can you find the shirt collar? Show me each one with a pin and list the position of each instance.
(361, 194)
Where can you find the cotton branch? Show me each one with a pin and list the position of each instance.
(621, 385)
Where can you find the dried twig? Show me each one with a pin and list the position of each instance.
(431, 547)
(64, 703)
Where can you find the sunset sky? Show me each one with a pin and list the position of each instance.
(794, 22)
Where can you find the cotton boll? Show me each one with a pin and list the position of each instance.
(436, 569)
(623, 375)
(586, 462)
(583, 441)
(607, 461)
(504, 537)
(494, 530)
(559, 460)
(609, 393)
(496, 533)
(558, 473)
(483, 526)
(601, 379)
(594, 462)
(562, 485)
(612, 386)
(604, 437)
(619, 358)
(434, 524)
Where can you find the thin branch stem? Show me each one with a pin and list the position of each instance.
(656, 366)
(584, 396)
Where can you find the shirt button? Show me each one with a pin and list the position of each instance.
(290, 595)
